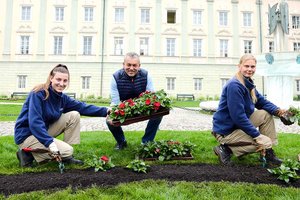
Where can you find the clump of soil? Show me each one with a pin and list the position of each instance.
(14, 184)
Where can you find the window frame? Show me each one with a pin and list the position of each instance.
(58, 45)
(119, 15)
(59, 13)
(197, 47)
(118, 46)
(87, 45)
(198, 84)
(170, 46)
(170, 83)
(24, 44)
(88, 14)
(145, 16)
(26, 13)
(85, 82)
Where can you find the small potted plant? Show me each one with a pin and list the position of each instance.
(102, 163)
(291, 116)
(166, 150)
(138, 165)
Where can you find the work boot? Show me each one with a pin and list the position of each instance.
(224, 153)
(121, 146)
(72, 160)
(271, 157)
(25, 158)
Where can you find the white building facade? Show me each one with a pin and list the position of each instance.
(188, 46)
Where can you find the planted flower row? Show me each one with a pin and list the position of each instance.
(146, 104)
(165, 150)
(162, 150)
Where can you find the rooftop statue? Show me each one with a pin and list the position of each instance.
(279, 16)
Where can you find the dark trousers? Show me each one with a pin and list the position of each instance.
(150, 132)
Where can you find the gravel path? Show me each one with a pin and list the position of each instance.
(178, 119)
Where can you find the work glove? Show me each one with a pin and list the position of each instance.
(263, 141)
(54, 152)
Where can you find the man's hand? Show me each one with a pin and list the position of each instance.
(263, 141)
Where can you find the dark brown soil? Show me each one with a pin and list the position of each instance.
(13, 184)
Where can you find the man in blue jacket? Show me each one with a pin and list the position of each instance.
(241, 110)
(130, 82)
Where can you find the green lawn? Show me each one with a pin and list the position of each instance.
(10, 112)
(101, 143)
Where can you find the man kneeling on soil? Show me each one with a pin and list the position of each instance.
(236, 120)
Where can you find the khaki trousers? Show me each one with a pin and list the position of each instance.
(241, 143)
(69, 124)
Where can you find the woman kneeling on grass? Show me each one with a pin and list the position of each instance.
(236, 120)
(48, 112)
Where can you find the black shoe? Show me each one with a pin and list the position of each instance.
(271, 157)
(224, 154)
(121, 145)
(25, 158)
(72, 160)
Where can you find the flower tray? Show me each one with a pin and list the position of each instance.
(187, 157)
(140, 118)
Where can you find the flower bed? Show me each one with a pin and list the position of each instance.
(166, 150)
(148, 105)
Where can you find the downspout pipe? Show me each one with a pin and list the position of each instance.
(102, 47)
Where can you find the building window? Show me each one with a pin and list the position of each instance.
(88, 14)
(59, 13)
(58, 40)
(296, 46)
(21, 81)
(118, 46)
(86, 82)
(119, 15)
(298, 85)
(26, 13)
(197, 83)
(224, 81)
(145, 16)
(224, 48)
(197, 17)
(170, 46)
(223, 18)
(144, 46)
(247, 46)
(87, 45)
(295, 22)
(171, 16)
(247, 19)
(24, 46)
(271, 46)
(170, 83)
(197, 47)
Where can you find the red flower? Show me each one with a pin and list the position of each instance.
(148, 102)
(156, 105)
(122, 105)
(105, 159)
(157, 150)
(122, 112)
(131, 102)
(117, 112)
